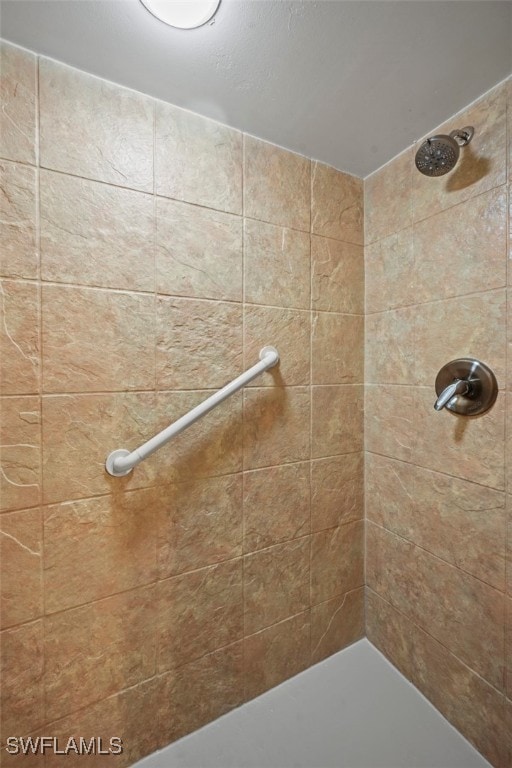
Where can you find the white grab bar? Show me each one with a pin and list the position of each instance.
(121, 462)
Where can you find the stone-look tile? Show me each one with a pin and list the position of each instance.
(277, 185)
(93, 651)
(19, 338)
(276, 505)
(198, 252)
(390, 420)
(337, 491)
(508, 729)
(198, 343)
(198, 613)
(276, 654)
(337, 561)
(19, 256)
(197, 160)
(337, 276)
(92, 128)
(289, 330)
(21, 593)
(387, 198)
(390, 347)
(18, 96)
(336, 204)
(468, 702)
(20, 458)
(95, 234)
(79, 431)
(389, 272)
(21, 664)
(463, 249)
(446, 330)
(276, 584)
(337, 349)
(95, 340)
(470, 448)
(508, 647)
(276, 265)
(336, 624)
(200, 524)
(97, 547)
(202, 691)
(133, 715)
(211, 447)
(460, 522)
(481, 164)
(276, 426)
(463, 613)
(337, 426)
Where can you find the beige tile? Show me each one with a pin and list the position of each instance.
(460, 522)
(508, 728)
(289, 330)
(95, 340)
(470, 448)
(509, 547)
(20, 438)
(199, 252)
(337, 280)
(276, 265)
(461, 612)
(95, 234)
(98, 649)
(390, 346)
(133, 715)
(18, 96)
(198, 613)
(277, 185)
(19, 338)
(211, 447)
(337, 426)
(390, 420)
(90, 127)
(202, 691)
(198, 343)
(336, 204)
(463, 249)
(79, 431)
(387, 198)
(389, 272)
(337, 491)
(337, 349)
(473, 706)
(508, 647)
(337, 561)
(276, 426)
(99, 547)
(200, 524)
(21, 658)
(276, 584)
(21, 592)
(197, 160)
(19, 257)
(276, 654)
(336, 624)
(481, 164)
(447, 330)
(276, 505)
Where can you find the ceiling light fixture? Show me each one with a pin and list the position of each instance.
(183, 14)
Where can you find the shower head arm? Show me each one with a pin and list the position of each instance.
(463, 136)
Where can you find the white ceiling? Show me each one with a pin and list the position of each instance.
(348, 83)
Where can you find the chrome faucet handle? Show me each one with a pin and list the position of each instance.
(458, 387)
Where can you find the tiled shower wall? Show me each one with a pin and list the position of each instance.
(147, 255)
(439, 599)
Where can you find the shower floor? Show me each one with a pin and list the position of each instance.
(353, 710)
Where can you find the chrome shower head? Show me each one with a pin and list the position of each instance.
(439, 154)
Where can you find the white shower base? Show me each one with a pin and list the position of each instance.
(353, 710)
